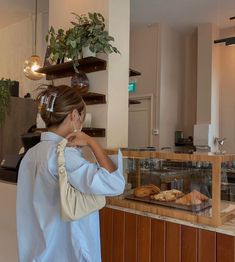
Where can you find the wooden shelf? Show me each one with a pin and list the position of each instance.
(134, 72)
(94, 132)
(134, 102)
(87, 65)
(91, 131)
(93, 98)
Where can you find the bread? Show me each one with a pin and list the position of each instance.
(146, 190)
(193, 198)
(167, 195)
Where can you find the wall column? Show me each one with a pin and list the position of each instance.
(114, 81)
(208, 80)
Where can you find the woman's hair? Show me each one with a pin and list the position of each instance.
(56, 102)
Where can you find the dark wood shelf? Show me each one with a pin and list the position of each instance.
(8, 175)
(87, 65)
(134, 102)
(134, 72)
(94, 132)
(91, 131)
(93, 98)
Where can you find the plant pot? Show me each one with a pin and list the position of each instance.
(86, 52)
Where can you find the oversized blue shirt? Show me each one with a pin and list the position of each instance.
(42, 235)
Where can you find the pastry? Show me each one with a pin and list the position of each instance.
(159, 197)
(146, 190)
(167, 195)
(176, 192)
(192, 198)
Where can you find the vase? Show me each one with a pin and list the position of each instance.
(80, 81)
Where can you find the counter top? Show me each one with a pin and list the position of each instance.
(228, 228)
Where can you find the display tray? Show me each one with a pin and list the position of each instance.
(172, 204)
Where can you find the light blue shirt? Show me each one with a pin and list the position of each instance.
(42, 235)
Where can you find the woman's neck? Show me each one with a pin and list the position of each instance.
(59, 131)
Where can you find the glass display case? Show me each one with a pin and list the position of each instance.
(195, 187)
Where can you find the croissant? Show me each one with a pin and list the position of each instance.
(193, 198)
(146, 190)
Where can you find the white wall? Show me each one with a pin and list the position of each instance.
(17, 44)
(114, 81)
(171, 85)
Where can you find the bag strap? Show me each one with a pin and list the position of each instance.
(60, 158)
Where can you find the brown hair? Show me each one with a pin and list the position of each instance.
(66, 99)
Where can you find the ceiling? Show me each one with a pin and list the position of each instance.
(12, 11)
(184, 15)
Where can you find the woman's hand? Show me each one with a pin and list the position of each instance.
(81, 139)
(78, 139)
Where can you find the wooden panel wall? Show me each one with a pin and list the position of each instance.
(127, 237)
(21, 116)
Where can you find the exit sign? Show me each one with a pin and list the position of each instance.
(132, 87)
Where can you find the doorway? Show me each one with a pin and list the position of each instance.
(140, 122)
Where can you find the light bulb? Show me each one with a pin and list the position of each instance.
(30, 67)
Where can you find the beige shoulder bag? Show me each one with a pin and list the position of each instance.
(74, 204)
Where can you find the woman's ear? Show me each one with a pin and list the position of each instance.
(74, 115)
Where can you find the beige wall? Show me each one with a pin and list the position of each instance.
(171, 85)
(204, 72)
(16, 46)
(190, 83)
(114, 81)
(215, 91)
(227, 86)
(208, 75)
(157, 51)
(143, 57)
(144, 44)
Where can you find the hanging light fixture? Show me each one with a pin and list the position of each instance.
(34, 62)
(228, 40)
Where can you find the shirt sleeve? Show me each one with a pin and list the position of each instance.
(90, 178)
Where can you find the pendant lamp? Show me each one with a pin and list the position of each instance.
(34, 62)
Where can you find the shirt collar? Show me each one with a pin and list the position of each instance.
(50, 136)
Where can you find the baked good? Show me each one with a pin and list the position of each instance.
(159, 197)
(192, 198)
(146, 190)
(176, 192)
(167, 195)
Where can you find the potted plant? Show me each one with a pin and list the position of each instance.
(88, 31)
(5, 85)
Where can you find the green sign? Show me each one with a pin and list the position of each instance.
(132, 87)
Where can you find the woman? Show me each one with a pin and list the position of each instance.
(42, 235)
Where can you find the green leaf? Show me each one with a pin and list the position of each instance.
(73, 44)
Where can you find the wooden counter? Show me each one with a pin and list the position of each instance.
(135, 237)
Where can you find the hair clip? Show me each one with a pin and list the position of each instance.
(50, 101)
(42, 99)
